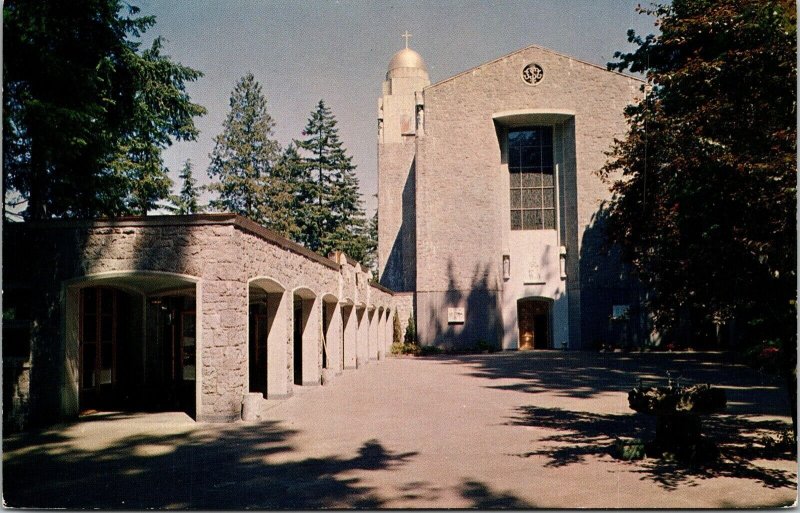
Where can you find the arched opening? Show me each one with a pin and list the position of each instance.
(349, 334)
(266, 353)
(306, 338)
(534, 315)
(132, 343)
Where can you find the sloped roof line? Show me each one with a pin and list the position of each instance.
(544, 49)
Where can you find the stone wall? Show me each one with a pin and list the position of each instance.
(461, 196)
(215, 257)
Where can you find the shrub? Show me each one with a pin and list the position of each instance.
(483, 345)
(411, 331)
(396, 331)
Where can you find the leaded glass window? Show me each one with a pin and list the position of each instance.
(530, 164)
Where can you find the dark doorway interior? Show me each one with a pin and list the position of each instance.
(298, 341)
(259, 331)
(534, 323)
(127, 363)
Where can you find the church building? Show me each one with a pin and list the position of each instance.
(490, 207)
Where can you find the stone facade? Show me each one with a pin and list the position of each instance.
(459, 215)
(223, 265)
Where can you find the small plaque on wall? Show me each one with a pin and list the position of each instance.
(455, 315)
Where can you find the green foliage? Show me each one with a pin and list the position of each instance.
(397, 332)
(85, 114)
(484, 345)
(330, 211)
(247, 160)
(406, 348)
(629, 449)
(704, 209)
(187, 202)
(414, 349)
(411, 331)
(371, 253)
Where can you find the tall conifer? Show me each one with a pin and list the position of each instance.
(245, 156)
(333, 214)
(187, 201)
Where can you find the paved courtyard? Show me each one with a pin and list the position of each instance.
(515, 430)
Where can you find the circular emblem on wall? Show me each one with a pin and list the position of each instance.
(532, 74)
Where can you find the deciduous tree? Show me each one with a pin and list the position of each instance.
(704, 209)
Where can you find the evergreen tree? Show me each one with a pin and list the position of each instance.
(334, 219)
(187, 201)
(282, 200)
(245, 156)
(371, 258)
(161, 111)
(85, 115)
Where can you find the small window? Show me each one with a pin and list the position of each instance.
(530, 164)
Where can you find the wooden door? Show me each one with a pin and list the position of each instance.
(525, 316)
(98, 346)
(534, 323)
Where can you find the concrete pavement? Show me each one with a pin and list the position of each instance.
(513, 430)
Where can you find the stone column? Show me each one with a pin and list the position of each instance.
(350, 335)
(278, 343)
(372, 334)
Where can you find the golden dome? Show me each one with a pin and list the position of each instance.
(407, 58)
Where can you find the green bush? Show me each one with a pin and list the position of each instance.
(429, 350)
(411, 331)
(403, 348)
(397, 334)
(483, 345)
(629, 449)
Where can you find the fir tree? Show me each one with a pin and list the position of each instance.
(282, 200)
(245, 156)
(371, 258)
(161, 112)
(187, 201)
(85, 113)
(333, 218)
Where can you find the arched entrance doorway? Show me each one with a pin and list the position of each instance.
(266, 321)
(534, 316)
(133, 338)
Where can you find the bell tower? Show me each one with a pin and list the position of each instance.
(400, 122)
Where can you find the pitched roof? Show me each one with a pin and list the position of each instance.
(537, 47)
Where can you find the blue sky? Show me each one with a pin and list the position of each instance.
(338, 51)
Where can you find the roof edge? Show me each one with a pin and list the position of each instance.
(545, 49)
(223, 218)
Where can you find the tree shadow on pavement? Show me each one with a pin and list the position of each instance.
(586, 374)
(482, 496)
(579, 436)
(239, 467)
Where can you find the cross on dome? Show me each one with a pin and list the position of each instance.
(406, 36)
